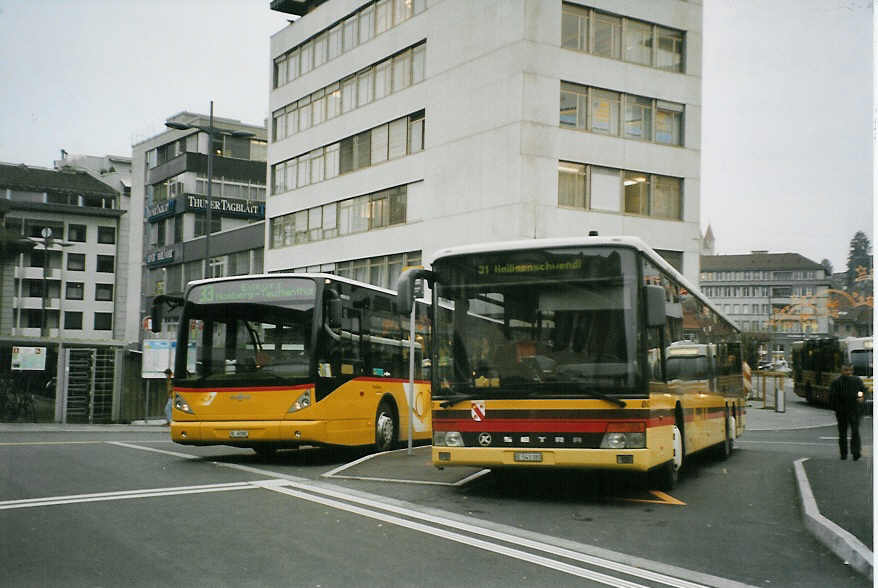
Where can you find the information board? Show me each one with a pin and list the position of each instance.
(158, 356)
(29, 358)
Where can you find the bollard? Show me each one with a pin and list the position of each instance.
(780, 400)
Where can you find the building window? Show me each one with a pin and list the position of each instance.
(574, 27)
(638, 42)
(353, 215)
(76, 262)
(607, 40)
(602, 189)
(636, 193)
(373, 83)
(76, 233)
(75, 290)
(571, 184)
(645, 119)
(605, 112)
(103, 291)
(73, 321)
(106, 264)
(103, 321)
(607, 35)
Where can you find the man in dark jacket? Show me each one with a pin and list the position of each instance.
(846, 399)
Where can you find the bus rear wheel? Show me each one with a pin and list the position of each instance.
(265, 450)
(385, 427)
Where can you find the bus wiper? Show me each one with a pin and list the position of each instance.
(617, 401)
(457, 397)
(590, 392)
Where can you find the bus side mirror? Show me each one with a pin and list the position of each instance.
(405, 288)
(655, 306)
(334, 312)
(158, 310)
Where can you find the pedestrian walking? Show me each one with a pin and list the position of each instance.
(847, 400)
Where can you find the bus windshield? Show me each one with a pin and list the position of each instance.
(861, 359)
(246, 332)
(547, 323)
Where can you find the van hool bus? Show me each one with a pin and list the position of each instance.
(576, 353)
(285, 360)
(817, 362)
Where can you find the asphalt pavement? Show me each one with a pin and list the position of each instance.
(836, 495)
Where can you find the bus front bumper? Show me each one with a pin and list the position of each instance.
(246, 433)
(638, 460)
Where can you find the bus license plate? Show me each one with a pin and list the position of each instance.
(238, 434)
(528, 456)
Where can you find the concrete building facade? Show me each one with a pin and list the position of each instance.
(400, 127)
(784, 295)
(64, 294)
(170, 179)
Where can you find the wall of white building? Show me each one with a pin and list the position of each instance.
(489, 170)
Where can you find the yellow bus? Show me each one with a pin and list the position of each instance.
(817, 362)
(283, 360)
(577, 353)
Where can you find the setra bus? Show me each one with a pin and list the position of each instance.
(576, 353)
(817, 362)
(282, 360)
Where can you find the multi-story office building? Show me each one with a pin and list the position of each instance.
(65, 294)
(784, 294)
(402, 126)
(170, 178)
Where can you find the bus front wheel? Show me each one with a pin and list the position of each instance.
(666, 475)
(385, 427)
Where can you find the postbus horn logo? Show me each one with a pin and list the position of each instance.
(477, 410)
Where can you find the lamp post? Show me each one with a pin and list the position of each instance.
(46, 233)
(212, 132)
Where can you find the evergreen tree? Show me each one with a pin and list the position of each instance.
(827, 267)
(859, 256)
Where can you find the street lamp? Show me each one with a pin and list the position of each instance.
(212, 132)
(47, 240)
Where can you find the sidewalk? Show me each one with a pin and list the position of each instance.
(836, 496)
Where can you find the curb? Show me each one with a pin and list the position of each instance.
(842, 543)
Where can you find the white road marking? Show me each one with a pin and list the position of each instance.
(153, 449)
(124, 495)
(336, 473)
(456, 537)
(308, 490)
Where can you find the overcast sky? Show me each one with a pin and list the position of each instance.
(787, 161)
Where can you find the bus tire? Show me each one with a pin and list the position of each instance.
(728, 444)
(385, 427)
(265, 450)
(665, 476)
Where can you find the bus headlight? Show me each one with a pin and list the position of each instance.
(619, 440)
(303, 401)
(447, 439)
(181, 404)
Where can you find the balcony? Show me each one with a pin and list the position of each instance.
(36, 273)
(35, 303)
(54, 333)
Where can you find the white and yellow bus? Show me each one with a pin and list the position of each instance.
(817, 362)
(577, 353)
(283, 360)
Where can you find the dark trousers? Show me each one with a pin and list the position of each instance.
(846, 420)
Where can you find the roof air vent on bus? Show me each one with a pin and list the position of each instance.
(592, 233)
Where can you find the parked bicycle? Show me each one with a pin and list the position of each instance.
(16, 402)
